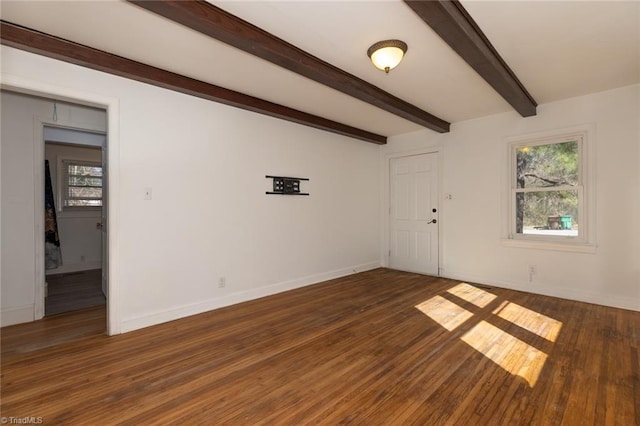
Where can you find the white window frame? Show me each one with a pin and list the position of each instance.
(62, 184)
(585, 241)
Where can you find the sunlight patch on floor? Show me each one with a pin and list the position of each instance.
(542, 325)
(446, 313)
(507, 351)
(472, 294)
(510, 353)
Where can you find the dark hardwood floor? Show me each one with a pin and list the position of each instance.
(73, 291)
(379, 347)
(23, 340)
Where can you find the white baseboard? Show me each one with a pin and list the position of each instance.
(579, 295)
(11, 316)
(135, 323)
(75, 267)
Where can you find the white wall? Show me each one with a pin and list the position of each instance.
(80, 239)
(474, 173)
(21, 151)
(209, 215)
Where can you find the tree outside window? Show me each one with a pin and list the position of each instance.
(547, 188)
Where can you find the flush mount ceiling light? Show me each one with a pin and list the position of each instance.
(387, 54)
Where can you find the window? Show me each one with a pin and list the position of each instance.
(547, 189)
(81, 184)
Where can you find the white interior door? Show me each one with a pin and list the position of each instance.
(413, 240)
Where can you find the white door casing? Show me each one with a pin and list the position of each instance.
(413, 213)
(105, 223)
(112, 105)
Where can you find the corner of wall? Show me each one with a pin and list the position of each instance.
(578, 295)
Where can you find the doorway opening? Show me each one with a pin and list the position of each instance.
(28, 106)
(75, 214)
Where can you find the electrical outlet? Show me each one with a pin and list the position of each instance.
(222, 282)
(532, 272)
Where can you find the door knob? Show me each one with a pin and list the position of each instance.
(432, 221)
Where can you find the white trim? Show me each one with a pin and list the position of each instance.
(386, 204)
(38, 202)
(135, 323)
(11, 316)
(573, 294)
(550, 245)
(112, 105)
(586, 241)
(86, 138)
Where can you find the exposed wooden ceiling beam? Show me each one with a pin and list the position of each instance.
(215, 22)
(54, 47)
(450, 20)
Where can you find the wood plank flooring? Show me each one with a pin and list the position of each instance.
(379, 347)
(73, 291)
(24, 339)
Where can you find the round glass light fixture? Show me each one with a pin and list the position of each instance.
(387, 54)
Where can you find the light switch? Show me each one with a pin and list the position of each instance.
(147, 193)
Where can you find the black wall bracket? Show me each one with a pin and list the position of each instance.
(284, 185)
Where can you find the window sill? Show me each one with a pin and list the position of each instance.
(550, 245)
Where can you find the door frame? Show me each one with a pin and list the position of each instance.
(385, 213)
(112, 107)
(38, 174)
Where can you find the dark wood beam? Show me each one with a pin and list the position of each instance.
(216, 23)
(54, 47)
(456, 27)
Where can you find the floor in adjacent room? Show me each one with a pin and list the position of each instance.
(378, 347)
(73, 291)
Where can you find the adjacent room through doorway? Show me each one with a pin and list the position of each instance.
(73, 219)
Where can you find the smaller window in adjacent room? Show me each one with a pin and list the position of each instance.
(81, 184)
(547, 199)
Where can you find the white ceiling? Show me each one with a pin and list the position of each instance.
(558, 49)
